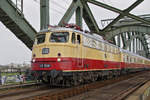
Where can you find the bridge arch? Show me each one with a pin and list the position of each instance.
(135, 38)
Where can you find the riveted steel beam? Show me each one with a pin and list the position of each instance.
(124, 13)
(16, 23)
(118, 40)
(89, 18)
(145, 46)
(77, 7)
(79, 14)
(136, 28)
(44, 10)
(68, 13)
(123, 39)
(136, 36)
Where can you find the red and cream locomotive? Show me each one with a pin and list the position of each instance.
(68, 56)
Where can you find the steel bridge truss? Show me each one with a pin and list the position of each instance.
(128, 31)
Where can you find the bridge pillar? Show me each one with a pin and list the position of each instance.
(118, 40)
(129, 37)
(44, 11)
(79, 14)
(133, 43)
(136, 45)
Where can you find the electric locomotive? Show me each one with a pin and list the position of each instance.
(70, 56)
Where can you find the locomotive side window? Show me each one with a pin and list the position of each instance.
(78, 39)
(40, 39)
(73, 38)
(59, 37)
(125, 58)
(103, 46)
(112, 49)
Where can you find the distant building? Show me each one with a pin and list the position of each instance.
(14, 67)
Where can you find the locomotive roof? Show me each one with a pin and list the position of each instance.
(73, 30)
(90, 35)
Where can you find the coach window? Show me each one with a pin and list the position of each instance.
(127, 58)
(99, 45)
(73, 38)
(115, 50)
(124, 58)
(112, 49)
(143, 61)
(103, 46)
(108, 48)
(132, 60)
(78, 39)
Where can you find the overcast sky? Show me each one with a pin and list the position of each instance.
(12, 50)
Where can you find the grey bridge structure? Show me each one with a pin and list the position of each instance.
(127, 31)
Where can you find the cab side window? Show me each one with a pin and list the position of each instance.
(73, 38)
(78, 39)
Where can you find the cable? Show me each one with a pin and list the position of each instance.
(66, 2)
(109, 1)
(37, 1)
(58, 5)
(50, 8)
(57, 11)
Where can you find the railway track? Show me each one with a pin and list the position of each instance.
(24, 92)
(118, 91)
(8, 87)
(64, 93)
(45, 93)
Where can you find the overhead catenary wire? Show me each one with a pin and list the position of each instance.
(55, 10)
(58, 5)
(66, 2)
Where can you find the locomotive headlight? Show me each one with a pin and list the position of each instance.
(33, 60)
(58, 59)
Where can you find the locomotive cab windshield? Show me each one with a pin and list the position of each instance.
(55, 37)
(59, 37)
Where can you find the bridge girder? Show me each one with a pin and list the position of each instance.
(13, 19)
(130, 39)
(129, 28)
(83, 11)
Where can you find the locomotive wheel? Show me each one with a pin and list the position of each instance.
(45, 80)
(68, 83)
(75, 81)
